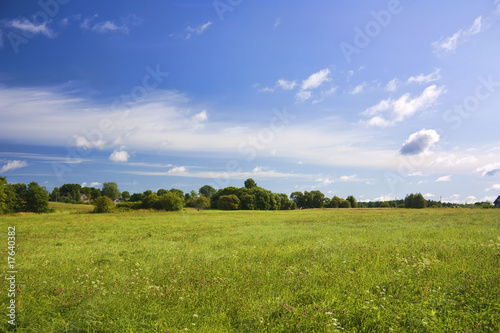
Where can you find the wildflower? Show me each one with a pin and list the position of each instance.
(195, 315)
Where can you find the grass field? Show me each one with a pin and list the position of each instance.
(394, 270)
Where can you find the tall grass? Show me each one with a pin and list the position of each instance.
(251, 271)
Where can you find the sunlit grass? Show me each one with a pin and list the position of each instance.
(285, 271)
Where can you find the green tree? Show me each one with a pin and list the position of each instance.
(352, 200)
(344, 204)
(103, 204)
(207, 191)
(16, 198)
(126, 195)
(55, 194)
(3, 196)
(37, 199)
(415, 201)
(228, 202)
(201, 202)
(250, 183)
(335, 202)
(110, 190)
(136, 197)
(161, 192)
(169, 202)
(247, 198)
(317, 199)
(70, 192)
(177, 192)
(298, 198)
(149, 201)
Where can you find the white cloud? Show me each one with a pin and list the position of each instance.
(450, 44)
(303, 95)
(92, 184)
(316, 79)
(434, 76)
(490, 169)
(495, 187)
(403, 107)
(358, 89)
(393, 85)
(13, 165)
(470, 198)
(429, 195)
(419, 142)
(119, 156)
(108, 26)
(28, 27)
(443, 179)
(286, 85)
(277, 22)
(325, 181)
(177, 171)
(389, 197)
(199, 118)
(256, 172)
(198, 30)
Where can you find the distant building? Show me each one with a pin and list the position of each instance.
(497, 202)
(84, 198)
(115, 201)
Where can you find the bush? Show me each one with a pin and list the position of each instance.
(103, 205)
(228, 202)
(170, 202)
(129, 205)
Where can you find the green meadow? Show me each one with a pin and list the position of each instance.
(338, 270)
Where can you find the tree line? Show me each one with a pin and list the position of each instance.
(16, 198)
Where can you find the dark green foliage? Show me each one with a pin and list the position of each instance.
(37, 199)
(149, 201)
(335, 202)
(103, 204)
(136, 197)
(170, 202)
(415, 201)
(177, 192)
(110, 190)
(352, 200)
(125, 195)
(3, 196)
(228, 202)
(70, 193)
(161, 192)
(250, 183)
(129, 205)
(200, 202)
(207, 191)
(225, 191)
(344, 204)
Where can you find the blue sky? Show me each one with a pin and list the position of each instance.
(375, 99)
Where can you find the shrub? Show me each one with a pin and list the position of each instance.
(103, 205)
(228, 202)
(170, 202)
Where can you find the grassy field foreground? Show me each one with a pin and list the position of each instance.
(394, 270)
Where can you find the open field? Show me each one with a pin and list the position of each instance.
(394, 270)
